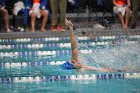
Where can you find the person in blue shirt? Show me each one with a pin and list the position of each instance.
(5, 14)
(74, 62)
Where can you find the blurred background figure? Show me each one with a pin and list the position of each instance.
(122, 9)
(61, 6)
(5, 14)
(38, 9)
(21, 8)
(136, 6)
(100, 5)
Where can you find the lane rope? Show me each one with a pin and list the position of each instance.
(52, 78)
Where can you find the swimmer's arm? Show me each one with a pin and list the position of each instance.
(73, 41)
(84, 67)
(74, 47)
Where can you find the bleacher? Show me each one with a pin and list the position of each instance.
(82, 10)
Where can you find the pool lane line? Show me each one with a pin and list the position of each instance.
(30, 64)
(92, 77)
(25, 40)
(59, 45)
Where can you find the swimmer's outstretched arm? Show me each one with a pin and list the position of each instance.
(84, 67)
(73, 41)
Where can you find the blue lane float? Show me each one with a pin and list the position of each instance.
(41, 53)
(30, 64)
(58, 45)
(26, 40)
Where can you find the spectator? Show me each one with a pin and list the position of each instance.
(55, 6)
(136, 4)
(5, 14)
(100, 5)
(18, 9)
(39, 9)
(122, 8)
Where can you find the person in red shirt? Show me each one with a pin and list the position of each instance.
(122, 9)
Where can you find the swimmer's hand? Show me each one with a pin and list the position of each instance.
(69, 24)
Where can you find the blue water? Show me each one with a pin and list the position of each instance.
(115, 54)
(111, 86)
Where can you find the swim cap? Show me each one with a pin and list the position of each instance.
(67, 65)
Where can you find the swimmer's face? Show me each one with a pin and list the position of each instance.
(76, 64)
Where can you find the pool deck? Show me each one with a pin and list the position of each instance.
(115, 29)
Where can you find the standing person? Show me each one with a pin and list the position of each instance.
(122, 9)
(135, 13)
(55, 6)
(39, 9)
(5, 14)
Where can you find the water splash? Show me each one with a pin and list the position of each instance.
(116, 56)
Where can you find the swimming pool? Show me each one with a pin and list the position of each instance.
(33, 65)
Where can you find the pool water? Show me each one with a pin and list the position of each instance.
(33, 65)
(111, 86)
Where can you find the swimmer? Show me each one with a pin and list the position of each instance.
(74, 62)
